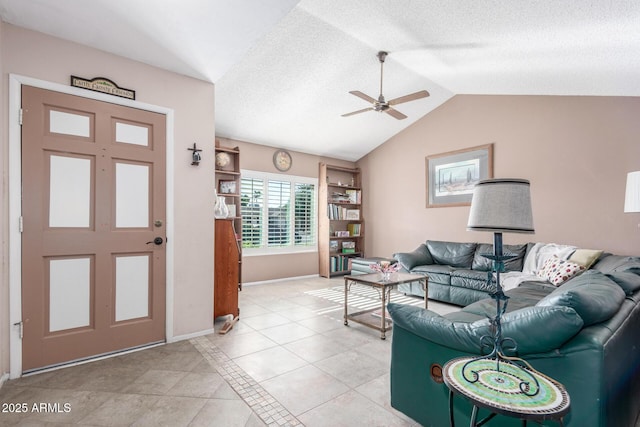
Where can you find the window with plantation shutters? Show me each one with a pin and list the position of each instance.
(251, 207)
(279, 213)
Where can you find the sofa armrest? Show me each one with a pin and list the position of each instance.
(534, 329)
(420, 256)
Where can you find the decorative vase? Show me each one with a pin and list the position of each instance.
(386, 276)
(221, 209)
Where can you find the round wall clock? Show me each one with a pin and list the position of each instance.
(282, 160)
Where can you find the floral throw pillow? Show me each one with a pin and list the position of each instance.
(557, 271)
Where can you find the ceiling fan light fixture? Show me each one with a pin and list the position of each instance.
(381, 105)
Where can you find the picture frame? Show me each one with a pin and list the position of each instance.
(353, 214)
(451, 176)
(227, 187)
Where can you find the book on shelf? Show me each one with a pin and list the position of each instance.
(333, 246)
(348, 247)
(354, 230)
(339, 263)
(354, 196)
(337, 197)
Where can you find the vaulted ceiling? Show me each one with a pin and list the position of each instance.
(283, 69)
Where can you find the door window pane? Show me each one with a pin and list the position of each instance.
(69, 192)
(132, 195)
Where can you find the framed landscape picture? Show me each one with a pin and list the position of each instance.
(227, 187)
(451, 176)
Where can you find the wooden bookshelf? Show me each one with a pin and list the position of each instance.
(228, 236)
(340, 219)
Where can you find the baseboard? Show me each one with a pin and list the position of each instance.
(189, 336)
(284, 279)
(3, 379)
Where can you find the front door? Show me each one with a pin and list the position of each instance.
(93, 204)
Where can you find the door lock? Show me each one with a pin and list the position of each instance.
(157, 241)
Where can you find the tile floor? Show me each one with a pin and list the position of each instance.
(288, 361)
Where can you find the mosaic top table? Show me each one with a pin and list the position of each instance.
(384, 287)
(505, 388)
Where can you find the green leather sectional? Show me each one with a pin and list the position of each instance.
(584, 333)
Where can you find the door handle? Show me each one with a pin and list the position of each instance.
(157, 241)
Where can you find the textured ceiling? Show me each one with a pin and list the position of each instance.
(283, 69)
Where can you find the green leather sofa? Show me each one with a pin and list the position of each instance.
(584, 334)
(457, 272)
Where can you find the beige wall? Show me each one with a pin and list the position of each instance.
(576, 151)
(46, 58)
(259, 158)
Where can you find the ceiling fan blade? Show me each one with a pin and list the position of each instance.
(357, 112)
(411, 97)
(395, 113)
(363, 96)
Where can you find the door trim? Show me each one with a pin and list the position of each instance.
(15, 203)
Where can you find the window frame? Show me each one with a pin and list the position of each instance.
(265, 177)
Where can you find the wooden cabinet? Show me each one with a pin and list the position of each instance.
(340, 219)
(228, 237)
(226, 269)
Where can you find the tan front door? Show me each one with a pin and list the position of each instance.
(93, 201)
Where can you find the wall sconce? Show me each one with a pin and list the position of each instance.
(195, 156)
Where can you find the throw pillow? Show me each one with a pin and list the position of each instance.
(557, 271)
(585, 257)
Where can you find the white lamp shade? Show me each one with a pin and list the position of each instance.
(632, 195)
(502, 206)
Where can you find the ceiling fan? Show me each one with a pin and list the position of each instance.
(380, 104)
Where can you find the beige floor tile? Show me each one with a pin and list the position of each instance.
(351, 409)
(287, 333)
(154, 381)
(269, 363)
(379, 392)
(353, 368)
(203, 385)
(227, 413)
(321, 323)
(264, 321)
(304, 388)
(121, 410)
(241, 345)
(316, 348)
(171, 412)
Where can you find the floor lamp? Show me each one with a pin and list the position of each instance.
(500, 206)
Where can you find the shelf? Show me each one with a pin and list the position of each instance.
(345, 186)
(228, 150)
(338, 205)
(227, 172)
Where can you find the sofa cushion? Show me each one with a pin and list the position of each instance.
(557, 271)
(484, 264)
(628, 281)
(420, 256)
(535, 329)
(614, 263)
(455, 254)
(437, 273)
(472, 279)
(592, 295)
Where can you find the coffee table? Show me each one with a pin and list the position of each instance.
(384, 287)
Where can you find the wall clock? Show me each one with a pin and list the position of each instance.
(282, 160)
